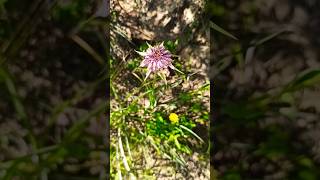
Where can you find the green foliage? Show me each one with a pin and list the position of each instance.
(166, 132)
(232, 175)
(171, 45)
(144, 121)
(71, 13)
(308, 79)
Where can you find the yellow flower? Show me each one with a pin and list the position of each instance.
(173, 117)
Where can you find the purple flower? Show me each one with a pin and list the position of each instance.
(156, 58)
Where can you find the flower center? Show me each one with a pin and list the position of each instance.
(157, 54)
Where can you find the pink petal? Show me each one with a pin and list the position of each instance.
(143, 63)
(141, 53)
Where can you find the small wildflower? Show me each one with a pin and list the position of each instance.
(173, 117)
(156, 58)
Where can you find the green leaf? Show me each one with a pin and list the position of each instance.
(13, 94)
(306, 162)
(307, 175)
(176, 142)
(232, 175)
(171, 46)
(308, 79)
(222, 31)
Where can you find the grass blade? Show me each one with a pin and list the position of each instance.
(124, 159)
(190, 131)
(84, 45)
(222, 31)
(268, 38)
(118, 163)
(308, 79)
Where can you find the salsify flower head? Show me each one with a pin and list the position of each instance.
(156, 58)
